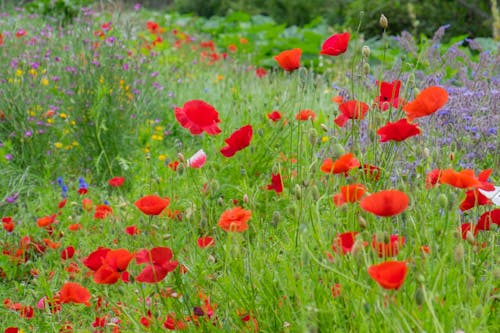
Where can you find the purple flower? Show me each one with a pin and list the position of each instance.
(8, 157)
(12, 198)
(137, 6)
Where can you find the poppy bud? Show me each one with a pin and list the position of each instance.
(180, 169)
(298, 191)
(315, 193)
(496, 274)
(469, 236)
(214, 186)
(420, 278)
(324, 127)
(181, 158)
(470, 282)
(245, 198)
(365, 51)
(452, 156)
(276, 218)
(459, 252)
(220, 201)
(479, 312)
(384, 23)
(313, 136)
(292, 210)
(366, 68)
(338, 150)
(362, 222)
(357, 248)
(442, 201)
(419, 296)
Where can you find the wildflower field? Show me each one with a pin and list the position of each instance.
(161, 172)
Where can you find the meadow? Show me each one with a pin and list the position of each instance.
(165, 172)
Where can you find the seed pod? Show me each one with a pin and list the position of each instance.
(384, 23)
(442, 200)
(276, 219)
(459, 252)
(419, 296)
(365, 51)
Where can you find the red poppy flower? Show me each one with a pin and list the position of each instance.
(72, 292)
(11, 329)
(342, 165)
(68, 253)
(159, 264)
(343, 243)
(132, 230)
(234, 220)
(198, 117)
(305, 115)
(8, 224)
(389, 248)
(152, 204)
(338, 99)
(466, 227)
(385, 203)
(205, 242)
(398, 131)
(116, 181)
(239, 140)
(260, 72)
(62, 203)
(349, 194)
(289, 60)
(389, 274)
(87, 204)
(154, 27)
(276, 183)
(432, 178)
(426, 103)
(102, 211)
(109, 265)
(460, 179)
(20, 33)
(389, 95)
(46, 221)
(371, 171)
(173, 165)
(486, 219)
(274, 116)
(336, 44)
(351, 110)
(472, 199)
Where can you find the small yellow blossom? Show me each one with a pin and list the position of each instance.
(19, 72)
(159, 128)
(50, 121)
(33, 72)
(324, 139)
(58, 145)
(75, 144)
(63, 115)
(162, 157)
(44, 81)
